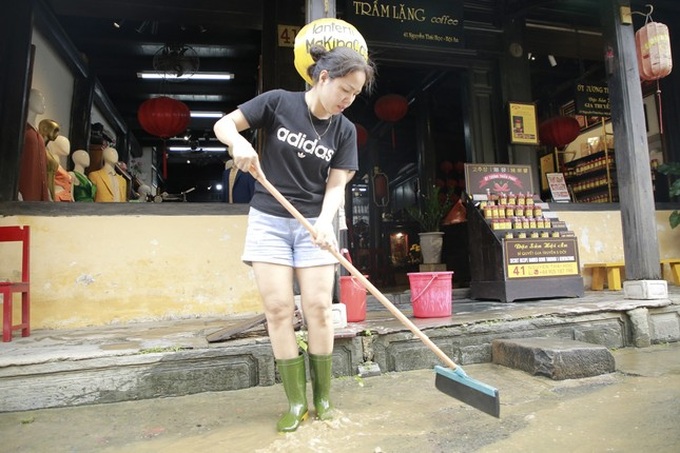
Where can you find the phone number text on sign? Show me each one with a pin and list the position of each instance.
(542, 270)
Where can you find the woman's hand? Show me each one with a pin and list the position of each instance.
(227, 130)
(245, 156)
(324, 236)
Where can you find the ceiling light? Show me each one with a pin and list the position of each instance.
(118, 23)
(206, 114)
(552, 61)
(195, 76)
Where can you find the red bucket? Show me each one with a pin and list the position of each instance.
(353, 295)
(431, 294)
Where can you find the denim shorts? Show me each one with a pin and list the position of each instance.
(281, 240)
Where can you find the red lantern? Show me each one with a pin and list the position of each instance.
(362, 135)
(559, 131)
(381, 194)
(163, 117)
(653, 48)
(391, 108)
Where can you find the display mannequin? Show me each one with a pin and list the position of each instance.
(33, 167)
(143, 194)
(83, 189)
(63, 181)
(238, 186)
(111, 187)
(49, 131)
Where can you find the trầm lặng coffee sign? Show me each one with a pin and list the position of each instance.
(413, 22)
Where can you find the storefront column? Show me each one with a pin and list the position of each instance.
(516, 82)
(15, 32)
(640, 242)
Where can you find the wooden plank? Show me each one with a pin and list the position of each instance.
(229, 332)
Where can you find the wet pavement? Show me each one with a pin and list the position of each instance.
(634, 409)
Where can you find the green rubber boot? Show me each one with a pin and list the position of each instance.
(294, 380)
(320, 367)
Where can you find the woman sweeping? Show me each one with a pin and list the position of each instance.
(309, 155)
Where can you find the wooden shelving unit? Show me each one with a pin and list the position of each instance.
(508, 268)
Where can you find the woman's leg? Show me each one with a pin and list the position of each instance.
(316, 286)
(316, 292)
(275, 283)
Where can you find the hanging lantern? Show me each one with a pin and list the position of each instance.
(391, 108)
(163, 117)
(559, 131)
(362, 135)
(381, 193)
(653, 48)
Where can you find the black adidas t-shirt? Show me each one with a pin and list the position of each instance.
(293, 159)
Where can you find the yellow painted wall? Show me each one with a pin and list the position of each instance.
(600, 236)
(95, 270)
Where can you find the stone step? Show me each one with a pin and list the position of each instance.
(556, 358)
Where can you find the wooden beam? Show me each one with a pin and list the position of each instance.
(640, 241)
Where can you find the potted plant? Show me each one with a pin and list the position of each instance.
(433, 206)
(672, 169)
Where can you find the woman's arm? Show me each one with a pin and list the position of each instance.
(228, 131)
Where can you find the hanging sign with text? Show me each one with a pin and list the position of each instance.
(545, 257)
(498, 178)
(414, 22)
(592, 99)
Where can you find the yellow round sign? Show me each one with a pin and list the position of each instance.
(329, 33)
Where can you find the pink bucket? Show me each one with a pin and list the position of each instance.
(431, 294)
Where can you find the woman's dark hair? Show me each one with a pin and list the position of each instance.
(339, 62)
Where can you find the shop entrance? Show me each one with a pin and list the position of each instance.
(425, 146)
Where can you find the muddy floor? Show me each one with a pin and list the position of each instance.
(636, 409)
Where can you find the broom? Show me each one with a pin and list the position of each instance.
(452, 381)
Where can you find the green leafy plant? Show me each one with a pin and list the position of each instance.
(433, 207)
(672, 169)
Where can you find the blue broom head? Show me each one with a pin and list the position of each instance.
(458, 375)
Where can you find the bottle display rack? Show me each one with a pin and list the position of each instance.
(520, 250)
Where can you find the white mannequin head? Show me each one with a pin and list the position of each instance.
(110, 156)
(36, 102)
(81, 160)
(144, 191)
(36, 106)
(61, 146)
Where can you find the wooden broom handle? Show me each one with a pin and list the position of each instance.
(355, 272)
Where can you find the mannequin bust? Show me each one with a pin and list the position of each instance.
(83, 189)
(49, 131)
(33, 167)
(63, 182)
(36, 106)
(143, 193)
(111, 187)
